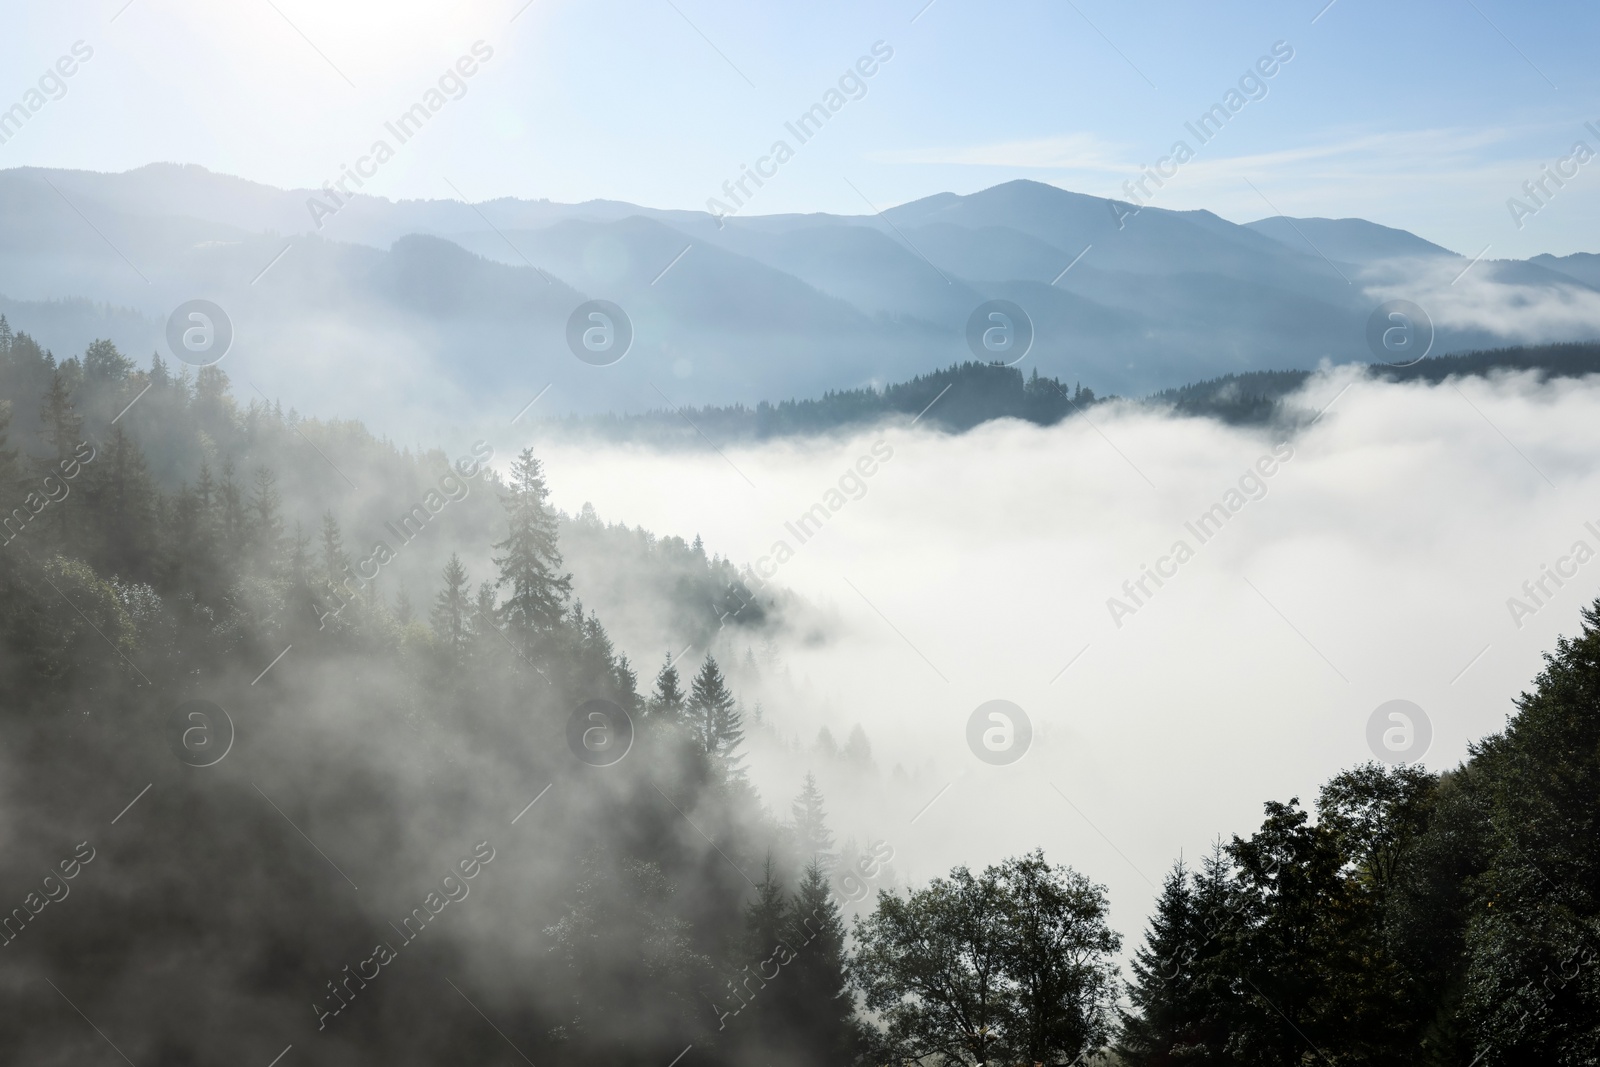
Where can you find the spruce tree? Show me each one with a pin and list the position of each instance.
(713, 718)
(452, 609)
(125, 503)
(335, 561)
(265, 519)
(857, 750)
(1159, 1031)
(667, 702)
(63, 431)
(764, 946)
(813, 841)
(822, 1012)
(531, 564)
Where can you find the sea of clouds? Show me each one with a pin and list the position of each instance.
(1378, 564)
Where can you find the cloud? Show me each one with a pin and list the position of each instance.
(1377, 566)
(1488, 297)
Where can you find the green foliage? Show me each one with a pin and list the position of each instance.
(1010, 965)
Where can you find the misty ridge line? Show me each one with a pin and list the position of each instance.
(803, 128)
(983, 393)
(1252, 86)
(432, 101)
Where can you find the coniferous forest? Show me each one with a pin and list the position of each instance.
(267, 786)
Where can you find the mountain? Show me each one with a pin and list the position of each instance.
(471, 300)
(1347, 240)
(1583, 266)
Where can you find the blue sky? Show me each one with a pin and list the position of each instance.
(1427, 116)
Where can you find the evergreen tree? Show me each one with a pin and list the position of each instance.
(1161, 1019)
(667, 702)
(10, 468)
(103, 364)
(713, 718)
(300, 561)
(126, 504)
(822, 1016)
(857, 750)
(335, 561)
(265, 521)
(63, 432)
(764, 946)
(452, 609)
(531, 564)
(232, 529)
(813, 840)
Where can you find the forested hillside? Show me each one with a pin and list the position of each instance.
(966, 395)
(355, 754)
(253, 753)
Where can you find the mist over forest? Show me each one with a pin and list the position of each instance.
(873, 534)
(288, 701)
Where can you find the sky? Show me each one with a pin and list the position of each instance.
(1426, 116)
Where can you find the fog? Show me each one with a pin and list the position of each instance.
(1377, 565)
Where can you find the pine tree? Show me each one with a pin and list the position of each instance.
(452, 609)
(667, 702)
(531, 565)
(713, 718)
(812, 839)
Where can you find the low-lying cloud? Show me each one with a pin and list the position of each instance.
(979, 567)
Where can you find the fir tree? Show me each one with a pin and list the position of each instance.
(63, 429)
(335, 561)
(667, 702)
(857, 750)
(713, 718)
(813, 840)
(531, 564)
(126, 505)
(452, 608)
(1161, 1026)
(266, 521)
(822, 1013)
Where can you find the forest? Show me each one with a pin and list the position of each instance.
(965, 395)
(271, 773)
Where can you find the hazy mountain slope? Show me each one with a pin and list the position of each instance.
(1346, 240)
(474, 299)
